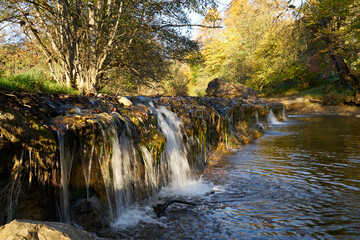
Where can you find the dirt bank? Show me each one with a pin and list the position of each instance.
(308, 106)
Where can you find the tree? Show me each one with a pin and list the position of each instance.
(333, 25)
(84, 39)
(252, 47)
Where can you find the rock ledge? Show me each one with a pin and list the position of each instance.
(37, 230)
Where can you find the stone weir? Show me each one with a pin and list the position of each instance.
(79, 158)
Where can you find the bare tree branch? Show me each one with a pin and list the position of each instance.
(185, 25)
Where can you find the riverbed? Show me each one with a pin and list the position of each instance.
(299, 181)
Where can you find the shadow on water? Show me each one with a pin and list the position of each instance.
(300, 181)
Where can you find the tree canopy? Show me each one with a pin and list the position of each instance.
(86, 40)
(126, 46)
(266, 42)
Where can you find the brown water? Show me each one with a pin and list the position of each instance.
(300, 181)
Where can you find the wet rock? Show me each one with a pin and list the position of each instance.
(91, 215)
(124, 101)
(221, 88)
(36, 230)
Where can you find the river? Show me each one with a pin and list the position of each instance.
(299, 181)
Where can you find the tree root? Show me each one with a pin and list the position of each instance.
(160, 209)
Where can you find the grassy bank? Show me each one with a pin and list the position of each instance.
(33, 81)
(327, 91)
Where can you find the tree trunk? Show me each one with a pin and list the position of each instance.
(346, 76)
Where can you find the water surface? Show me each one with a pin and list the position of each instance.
(300, 181)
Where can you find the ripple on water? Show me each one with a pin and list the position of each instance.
(301, 181)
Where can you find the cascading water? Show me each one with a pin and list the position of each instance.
(66, 160)
(284, 113)
(151, 175)
(177, 164)
(86, 159)
(113, 151)
(115, 159)
(257, 121)
(174, 167)
(123, 152)
(106, 141)
(271, 119)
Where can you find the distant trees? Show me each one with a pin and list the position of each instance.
(265, 42)
(332, 28)
(252, 46)
(131, 44)
(86, 42)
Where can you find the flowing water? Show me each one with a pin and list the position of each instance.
(300, 181)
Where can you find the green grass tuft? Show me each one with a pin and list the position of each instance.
(33, 81)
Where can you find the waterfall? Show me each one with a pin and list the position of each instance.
(123, 152)
(257, 121)
(115, 160)
(105, 142)
(87, 154)
(284, 113)
(271, 119)
(66, 160)
(177, 165)
(151, 175)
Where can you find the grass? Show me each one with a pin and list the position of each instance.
(33, 81)
(327, 90)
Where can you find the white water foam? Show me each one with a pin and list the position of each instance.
(194, 188)
(123, 152)
(135, 215)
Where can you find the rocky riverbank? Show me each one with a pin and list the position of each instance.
(58, 152)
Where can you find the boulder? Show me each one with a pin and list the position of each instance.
(221, 88)
(36, 230)
(124, 101)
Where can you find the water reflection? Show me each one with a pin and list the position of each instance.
(301, 180)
